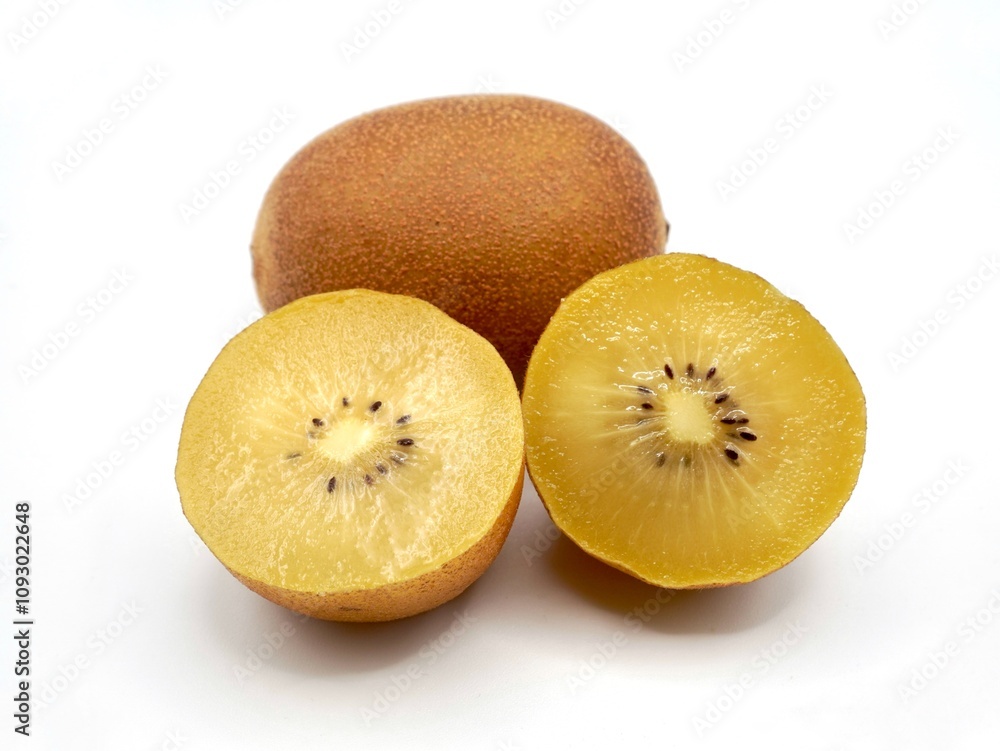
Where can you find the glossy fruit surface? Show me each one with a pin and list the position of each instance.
(354, 456)
(689, 424)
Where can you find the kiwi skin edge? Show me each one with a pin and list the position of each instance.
(404, 598)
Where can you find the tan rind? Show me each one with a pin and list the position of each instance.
(405, 598)
(491, 207)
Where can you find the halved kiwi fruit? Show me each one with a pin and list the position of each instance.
(689, 424)
(354, 456)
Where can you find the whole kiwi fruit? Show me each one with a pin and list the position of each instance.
(491, 207)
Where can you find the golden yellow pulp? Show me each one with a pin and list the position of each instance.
(347, 441)
(689, 424)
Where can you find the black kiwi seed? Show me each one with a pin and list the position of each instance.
(375, 407)
(735, 415)
(369, 480)
(405, 441)
(318, 422)
(381, 469)
(345, 401)
(296, 455)
(734, 418)
(332, 485)
(403, 420)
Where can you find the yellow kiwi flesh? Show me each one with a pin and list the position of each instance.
(689, 424)
(354, 456)
(491, 207)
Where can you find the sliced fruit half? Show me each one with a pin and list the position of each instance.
(689, 424)
(354, 456)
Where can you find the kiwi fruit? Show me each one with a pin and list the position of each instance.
(689, 424)
(491, 207)
(354, 456)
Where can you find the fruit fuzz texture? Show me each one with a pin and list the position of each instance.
(493, 208)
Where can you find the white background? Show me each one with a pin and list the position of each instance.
(822, 648)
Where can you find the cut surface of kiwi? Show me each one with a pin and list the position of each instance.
(354, 456)
(689, 424)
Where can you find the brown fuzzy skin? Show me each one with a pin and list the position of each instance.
(405, 598)
(491, 207)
